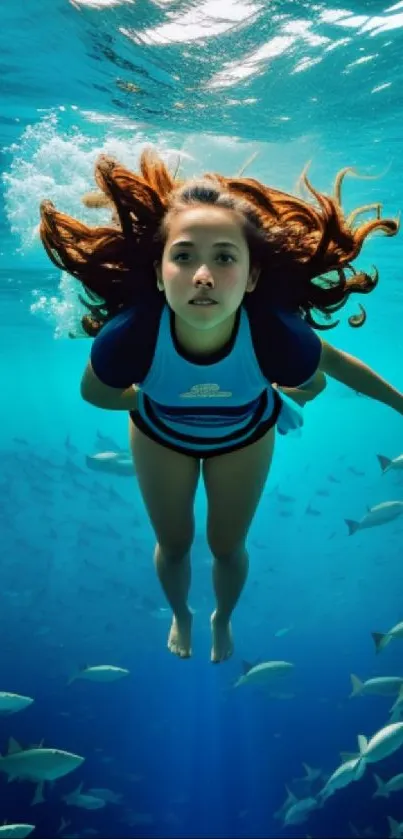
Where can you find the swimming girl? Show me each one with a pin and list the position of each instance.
(201, 296)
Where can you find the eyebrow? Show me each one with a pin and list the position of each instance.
(186, 243)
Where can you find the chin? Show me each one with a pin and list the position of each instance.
(203, 323)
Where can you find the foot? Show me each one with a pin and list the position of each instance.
(180, 636)
(222, 646)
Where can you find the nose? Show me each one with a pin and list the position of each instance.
(203, 278)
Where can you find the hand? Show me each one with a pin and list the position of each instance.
(294, 393)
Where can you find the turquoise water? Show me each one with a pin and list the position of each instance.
(188, 754)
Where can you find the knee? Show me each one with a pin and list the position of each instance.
(174, 550)
(224, 550)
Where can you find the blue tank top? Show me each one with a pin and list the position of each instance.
(201, 406)
(207, 405)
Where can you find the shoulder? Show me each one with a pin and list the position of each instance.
(287, 347)
(123, 350)
(127, 322)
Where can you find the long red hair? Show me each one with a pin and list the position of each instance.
(303, 251)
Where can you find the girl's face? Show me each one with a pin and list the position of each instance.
(205, 255)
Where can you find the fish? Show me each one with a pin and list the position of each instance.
(396, 713)
(396, 829)
(83, 800)
(63, 825)
(10, 703)
(105, 442)
(264, 673)
(299, 811)
(367, 832)
(384, 788)
(382, 639)
(383, 743)
(349, 771)
(113, 463)
(106, 794)
(375, 516)
(311, 774)
(289, 801)
(380, 685)
(283, 631)
(303, 787)
(100, 673)
(37, 764)
(388, 464)
(399, 700)
(16, 831)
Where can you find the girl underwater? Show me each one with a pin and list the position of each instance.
(201, 295)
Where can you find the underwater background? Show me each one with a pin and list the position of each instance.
(181, 749)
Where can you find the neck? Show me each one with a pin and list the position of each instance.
(203, 341)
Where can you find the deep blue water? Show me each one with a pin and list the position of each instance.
(190, 754)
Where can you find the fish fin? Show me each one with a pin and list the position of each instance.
(246, 666)
(362, 744)
(39, 745)
(78, 790)
(291, 796)
(13, 746)
(38, 797)
(345, 756)
(399, 700)
(357, 685)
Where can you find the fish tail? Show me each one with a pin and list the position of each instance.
(380, 788)
(384, 461)
(381, 639)
(356, 684)
(353, 526)
(394, 827)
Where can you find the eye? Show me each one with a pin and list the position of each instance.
(225, 256)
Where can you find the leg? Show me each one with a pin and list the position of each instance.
(168, 482)
(234, 485)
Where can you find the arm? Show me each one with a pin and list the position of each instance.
(103, 396)
(357, 375)
(308, 391)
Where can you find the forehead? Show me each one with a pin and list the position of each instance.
(206, 222)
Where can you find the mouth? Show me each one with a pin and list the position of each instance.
(202, 301)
